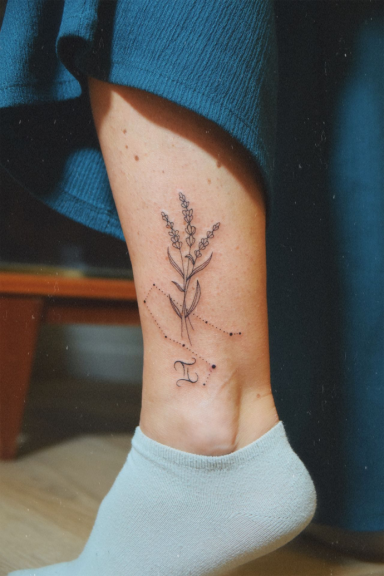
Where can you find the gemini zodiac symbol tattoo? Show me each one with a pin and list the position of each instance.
(189, 263)
(186, 376)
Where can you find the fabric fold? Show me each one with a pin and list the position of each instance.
(216, 59)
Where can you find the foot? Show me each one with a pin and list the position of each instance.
(173, 513)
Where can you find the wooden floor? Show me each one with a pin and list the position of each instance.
(75, 440)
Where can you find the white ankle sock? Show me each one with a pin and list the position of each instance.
(172, 513)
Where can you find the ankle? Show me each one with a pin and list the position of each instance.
(231, 428)
(212, 429)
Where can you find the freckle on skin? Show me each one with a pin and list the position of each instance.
(209, 181)
(218, 164)
(124, 131)
(126, 146)
(136, 158)
(258, 395)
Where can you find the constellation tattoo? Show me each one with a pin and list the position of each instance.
(186, 375)
(189, 262)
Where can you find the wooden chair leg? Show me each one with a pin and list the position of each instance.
(19, 324)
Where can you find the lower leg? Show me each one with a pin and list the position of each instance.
(211, 481)
(152, 150)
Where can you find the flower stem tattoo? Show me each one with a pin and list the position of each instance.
(189, 263)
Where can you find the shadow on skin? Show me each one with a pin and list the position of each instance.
(207, 135)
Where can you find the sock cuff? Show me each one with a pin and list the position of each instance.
(154, 451)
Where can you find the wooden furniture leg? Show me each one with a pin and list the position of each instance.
(20, 319)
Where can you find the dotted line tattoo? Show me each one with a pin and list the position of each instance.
(193, 313)
(172, 339)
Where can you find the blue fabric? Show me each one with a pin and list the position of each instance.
(326, 253)
(217, 59)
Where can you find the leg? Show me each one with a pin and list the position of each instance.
(152, 149)
(211, 481)
(20, 320)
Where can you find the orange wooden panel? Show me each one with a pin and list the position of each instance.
(63, 286)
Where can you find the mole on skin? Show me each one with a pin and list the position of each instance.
(136, 158)
(124, 131)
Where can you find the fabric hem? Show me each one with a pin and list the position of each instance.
(155, 450)
(72, 207)
(77, 209)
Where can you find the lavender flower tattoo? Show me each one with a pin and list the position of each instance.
(188, 263)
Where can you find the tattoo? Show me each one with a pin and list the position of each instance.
(188, 268)
(158, 300)
(185, 366)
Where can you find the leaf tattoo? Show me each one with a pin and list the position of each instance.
(195, 300)
(188, 266)
(175, 307)
(176, 267)
(178, 286)
(201, 267)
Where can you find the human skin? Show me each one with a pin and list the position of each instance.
(154, 151)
